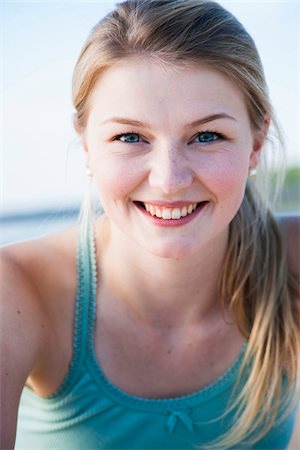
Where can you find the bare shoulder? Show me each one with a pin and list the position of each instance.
(47, 265)
(32, 274)
(34, 271)
(290, 229)
(20, 310)
(44, 253)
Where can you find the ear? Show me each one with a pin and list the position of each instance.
(82, 135)
(86, 152)
(259, 138)
(77, 127)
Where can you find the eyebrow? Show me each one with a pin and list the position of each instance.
(210, 118)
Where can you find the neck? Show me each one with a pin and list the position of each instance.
(162, 292)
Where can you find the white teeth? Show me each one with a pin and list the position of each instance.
(158, 213)
(176, 213)
(166, 213)
(170, 213)
(184, 211)
(152, 210)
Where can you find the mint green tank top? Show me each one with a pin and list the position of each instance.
(88, 412)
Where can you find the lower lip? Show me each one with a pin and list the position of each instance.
(173, 222)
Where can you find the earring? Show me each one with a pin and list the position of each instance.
(252, 171)
(89, 172)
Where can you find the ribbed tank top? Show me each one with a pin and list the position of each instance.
(88, 412)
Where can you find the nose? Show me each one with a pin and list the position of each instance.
(170, 171)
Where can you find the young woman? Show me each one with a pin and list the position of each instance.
(171, 320)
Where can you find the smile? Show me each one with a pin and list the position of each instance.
(170, 213)
(171, 216)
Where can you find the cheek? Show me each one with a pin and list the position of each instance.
(226, 178)
(117, 178)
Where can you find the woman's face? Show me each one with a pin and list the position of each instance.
(164, 140)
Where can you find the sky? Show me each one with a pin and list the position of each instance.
(41, 158)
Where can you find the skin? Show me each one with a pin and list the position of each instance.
(168, 164)
(157, 307)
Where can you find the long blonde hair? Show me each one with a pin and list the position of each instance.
(255, 281)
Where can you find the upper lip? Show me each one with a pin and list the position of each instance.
(177, 204)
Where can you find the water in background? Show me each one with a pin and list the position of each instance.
(21, 227)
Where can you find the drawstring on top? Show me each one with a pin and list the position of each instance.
(181, 415)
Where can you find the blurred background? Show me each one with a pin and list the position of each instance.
(42, 167)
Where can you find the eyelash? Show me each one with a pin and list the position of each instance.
(219, 136)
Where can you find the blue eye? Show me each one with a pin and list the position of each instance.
(129, 138)
(206, 137)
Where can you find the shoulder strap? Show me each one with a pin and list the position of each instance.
(91, 276)
(86, 292)
(85, 298)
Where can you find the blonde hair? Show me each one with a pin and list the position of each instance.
(255, 281)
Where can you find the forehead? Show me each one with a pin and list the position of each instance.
(140, 85)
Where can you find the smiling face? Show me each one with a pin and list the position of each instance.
(170, 152)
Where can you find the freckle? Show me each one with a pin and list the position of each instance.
(6, 373)
(18, 311)
(42, 325)
(169, 352)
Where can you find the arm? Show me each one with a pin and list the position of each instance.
(20, 339)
